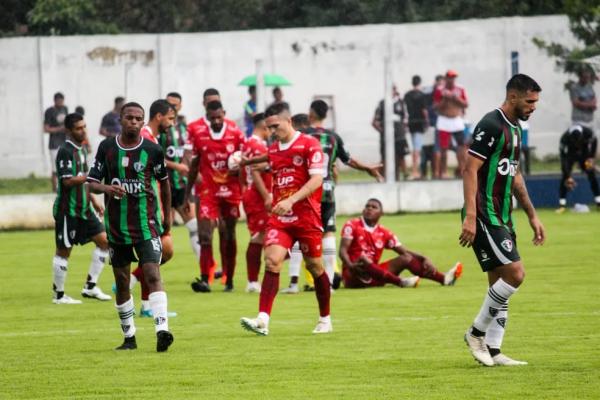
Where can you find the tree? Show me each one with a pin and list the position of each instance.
(67, 17)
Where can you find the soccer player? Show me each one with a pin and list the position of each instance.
(490, 179)
(75, 222)
(363, 242)
(296, 162)
(257, 198)
(333, 148)
(130, 166)
(577, 145)
(219, 193)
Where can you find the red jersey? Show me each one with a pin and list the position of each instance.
(146, 133)
(292, 164)
(213, 149)
(255, 147)
(200, 124)
(457, 91)
(366, 240)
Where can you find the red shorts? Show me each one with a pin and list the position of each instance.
(213, 207)
(445, 139)
(354, 281)
(256, 213)
(310, 239)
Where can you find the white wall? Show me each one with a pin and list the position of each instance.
(346, 62)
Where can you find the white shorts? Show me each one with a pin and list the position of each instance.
(456, 124)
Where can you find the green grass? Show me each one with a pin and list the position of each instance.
(29, 185)
(388, 342)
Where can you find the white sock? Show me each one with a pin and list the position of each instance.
(495, 332)
(59, 266)
(132, 281)
(264, 317)
(562, 202)
(192, 227)
(126, 312)
(158, 304)
(326, 319)
(597, 199)
(329, 256)
(146, 304)
(295, 260)
(496, 297)
(97, 265)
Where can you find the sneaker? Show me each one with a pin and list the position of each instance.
(199, 286)
(309, 288)
(292, 289)
(502, 360)
(255, 325)
(479, 349)
(253, 287)
(66, 300)
(95, 293)
(411, 282)
(323, 327)
(163, 340)
(228, 288)
(128, 344)
(453, 274)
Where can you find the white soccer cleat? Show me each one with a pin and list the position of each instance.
(65, 300)
(255, 325)
(502, 360)
(253, 287)
(453, 274)
(478, 349)
(323, 327)
(95, 293)
(411, 282)
(292, 289)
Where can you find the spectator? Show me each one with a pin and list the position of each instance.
(111, 124)
(418, 120)
(80, 110)
(583, 98)
(54, 125)
(428, 154)
(450, 102)
(278, 98)
(250, 111)
(400, 143)
(436, 155)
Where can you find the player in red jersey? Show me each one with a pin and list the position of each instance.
(296, 162)
(363, 242)
(257, 199)
(219, 192)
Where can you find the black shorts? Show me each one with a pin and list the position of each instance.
(148, 252)
(177, 197)
(494, 246)
(401, 147)
(459, 137)
(69, 231)
(328, 217)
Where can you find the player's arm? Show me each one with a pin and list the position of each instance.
(377, 122)
(285, 206)
(160, 173)
(254, 160)
(344, 156)
(179, 167)
(64, 167)
(344, 256)
(262, 188)
(192, 175)
(97, 174)
(520, 191)
(467, 235)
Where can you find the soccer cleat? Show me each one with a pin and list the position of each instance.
(292, 289)
(255, 325)
(337, 280)
(65, 300)
(95, 293)
(253, 287)
(411, 282)
(561, 210)
(199, 286)
(309, 288)
(128, 344)
(323, 327)
(453, 274)
(163, 340)
(502, 360)
(228, 289)
(478, 349)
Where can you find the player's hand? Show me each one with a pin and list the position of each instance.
(375, 172)
(467, 236)
(269, 202)
(588, 164)
(283, 207)
(182, 169)
(539, 235)
(244, 161)
(115, 191)
(364, 260)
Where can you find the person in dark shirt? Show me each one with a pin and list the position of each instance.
(418, 121)
(54, 125)
(110, 125)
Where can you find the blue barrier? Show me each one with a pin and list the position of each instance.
(543, 190)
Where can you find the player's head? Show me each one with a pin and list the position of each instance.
(277, 94)
(373, 211)
(162, 113)
(260, 127)
(522, 94)
(119, 101)
(318, 110)
(210, 94)
(215, 115)
(416, 80)
(300, 122)
(59, 99)
(174, 99)
(132, 119)
(279, 122)
(75, 126)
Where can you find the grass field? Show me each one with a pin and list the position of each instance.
(387, 343)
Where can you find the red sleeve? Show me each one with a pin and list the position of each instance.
(348, 231)
(463, 94)
(391, 241)
(314, 158)
(437, 95)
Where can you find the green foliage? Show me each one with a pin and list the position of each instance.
(67, 17)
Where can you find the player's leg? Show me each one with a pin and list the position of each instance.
(99, 257)
(295, 264)
(437, 156)
(121, 258)
(207, 215)
(314, 264)
(253, 259)
(417, 146)
(230, 247)
(566, 166)
(591, 175)
(191, 224)
(329, 242)
(424, 268)
(64, 231)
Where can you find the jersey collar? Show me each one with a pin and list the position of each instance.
(285, 146)
(217, 135)
(506, 119)
(368, 228)
(130, 148)
(73, 144)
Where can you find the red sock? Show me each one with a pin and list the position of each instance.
(416, 267)
(268, 291)
(253, 254)
(323, 292)
(383, 275)
(138, 273)
(206, 260)
(230, 257)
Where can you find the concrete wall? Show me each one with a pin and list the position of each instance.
(345, 62)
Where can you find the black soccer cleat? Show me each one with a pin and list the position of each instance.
(128, 344)
(200, 286)
(337, 279)
(228, 288)
(163, 340)
(308, 288)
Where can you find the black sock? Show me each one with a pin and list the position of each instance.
(294, 280)
(90, 285)
(59, 295)
(476, 332)
(493, 352)
(204, 278)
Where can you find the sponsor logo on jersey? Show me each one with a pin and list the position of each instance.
(348, 231)
(317, 157)
(230, 148)
(379, 244)
(218, 165)
(297, 161)
(175, 152)
(283, 181)
(125, 162)
(507, 167)
(138, 166)
(131, 186)
(72, 234)
(507, 245)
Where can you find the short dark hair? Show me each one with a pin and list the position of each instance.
(416, 80)
(214, 105)
(174, 94)
(320, 108)
(80, 110)
(438, 77)
(276, 89)
(275, 109)
(376, 201)
(300, 120)
(119, 99)
(258, 117)
(522, 83)
(59, 95)
(132, 104)
(251, 89)
(211, 92)
(160, 106)
(71, 119)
